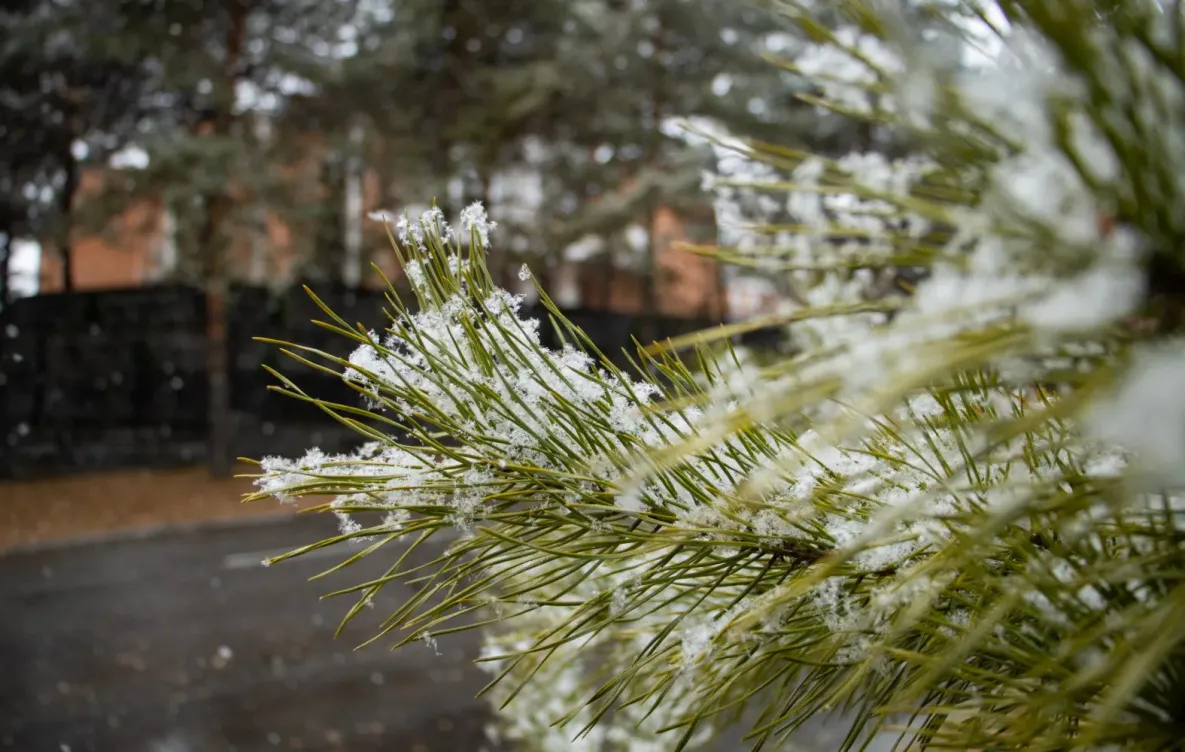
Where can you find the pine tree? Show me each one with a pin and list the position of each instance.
(67, 95)
(453, 94)
(955, 515)
(213, 65)
(634, 66)
(464, 98)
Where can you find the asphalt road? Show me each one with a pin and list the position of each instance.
(181, 642)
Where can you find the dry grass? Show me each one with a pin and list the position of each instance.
(56, 509)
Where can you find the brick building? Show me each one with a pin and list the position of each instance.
(140, 248)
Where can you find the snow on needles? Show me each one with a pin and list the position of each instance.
(1018, 267)
(1146, 415)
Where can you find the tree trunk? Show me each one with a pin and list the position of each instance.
(351, 271)
(5, 267)
(257, 271)
(65, 208)
(211, 241)
(446, 100)
(220, 429)
(608, 272)
(651, 289)
(67, 268)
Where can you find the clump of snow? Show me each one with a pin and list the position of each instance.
(846, 68)
(474, 220)
(1146, 414)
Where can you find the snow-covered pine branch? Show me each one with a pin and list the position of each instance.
(963, 501)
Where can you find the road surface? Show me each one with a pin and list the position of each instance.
(181, 642)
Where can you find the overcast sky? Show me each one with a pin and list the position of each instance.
(24, 268)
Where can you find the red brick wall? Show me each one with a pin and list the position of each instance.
(686, 286)
(121, 260)
(125, 256)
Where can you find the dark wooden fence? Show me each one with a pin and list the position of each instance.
(116, 379)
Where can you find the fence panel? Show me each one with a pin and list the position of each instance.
(117, 379)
